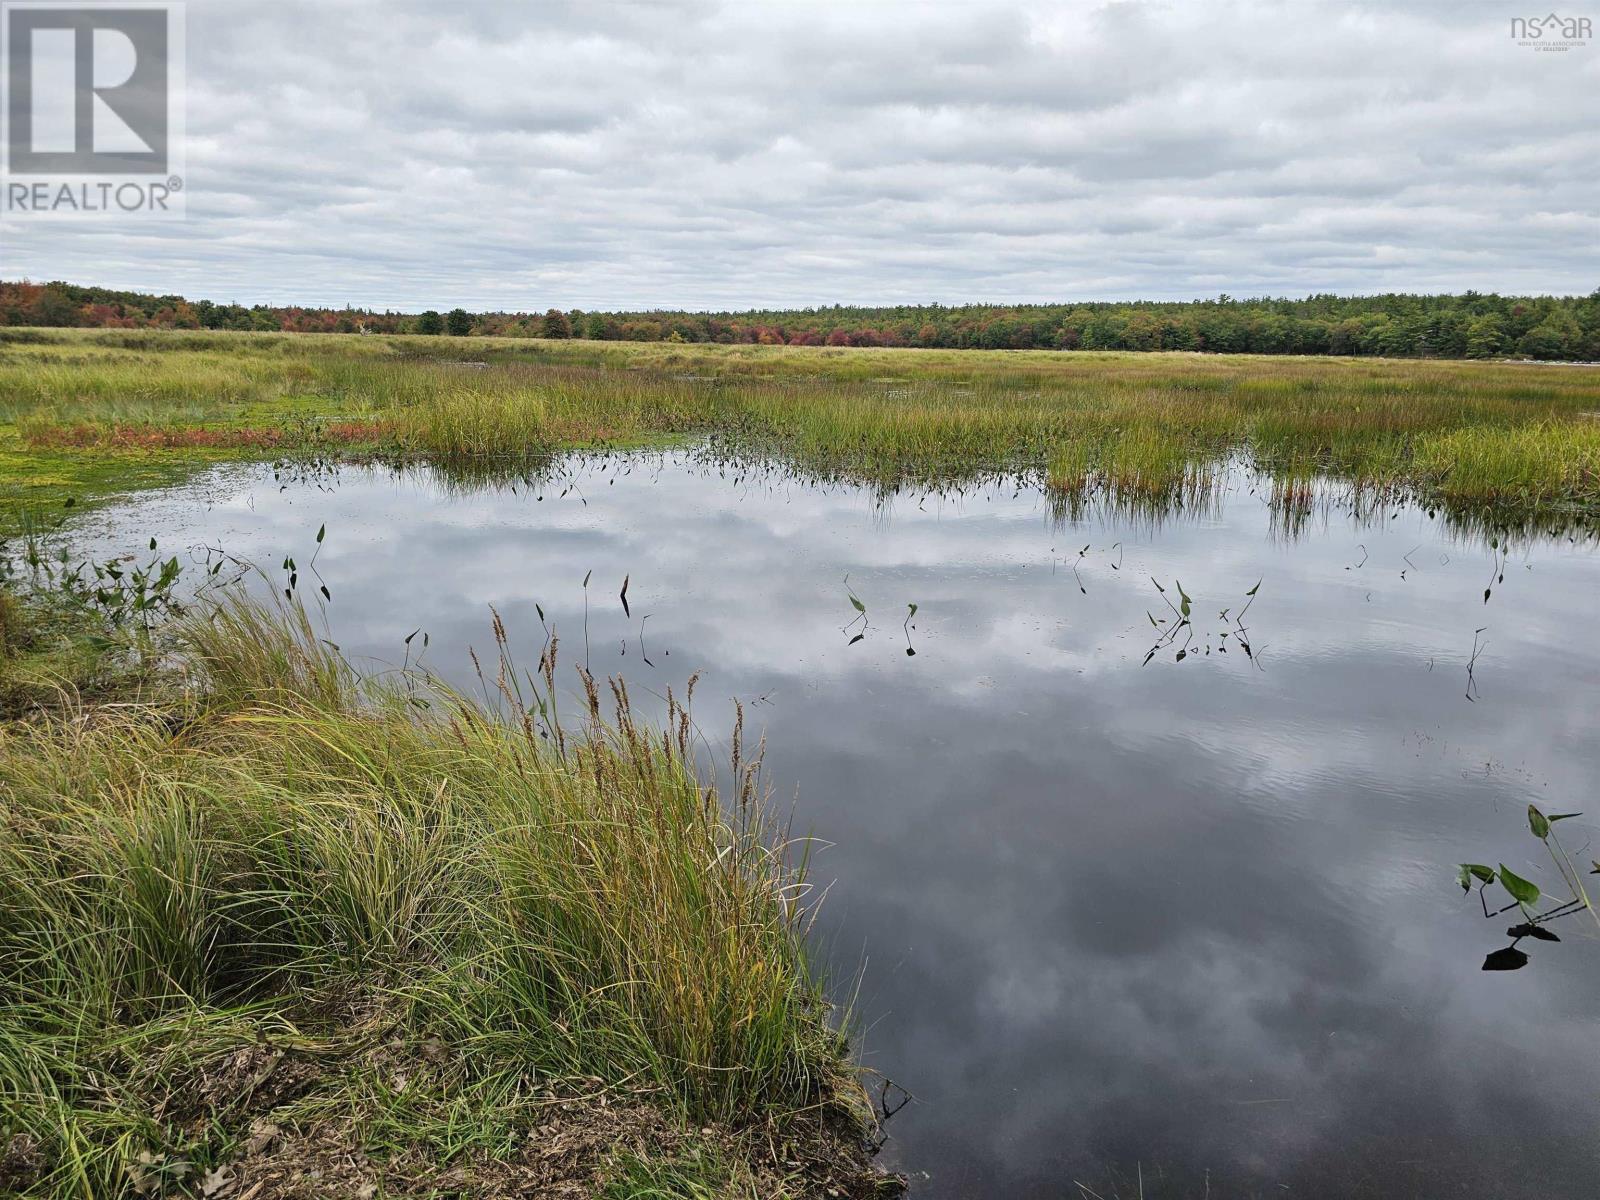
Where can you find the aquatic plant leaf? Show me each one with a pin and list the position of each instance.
(1506, 959)
(913, 609)
(1554, 817)
(1185, 602)
(1539, 823)
(1466, 872)
(1522, 890)
(857, 605)
(321, 533)
(1255, 589)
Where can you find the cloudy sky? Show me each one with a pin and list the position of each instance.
(700, 155)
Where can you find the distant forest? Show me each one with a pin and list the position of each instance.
(1471, 325)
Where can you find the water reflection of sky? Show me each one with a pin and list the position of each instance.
(1189, 922)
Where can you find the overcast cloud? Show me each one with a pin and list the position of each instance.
(687, 155)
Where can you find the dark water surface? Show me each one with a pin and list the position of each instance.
(1190, 925)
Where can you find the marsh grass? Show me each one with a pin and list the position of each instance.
(459, 423)
(286, 854)
(52, 652)
(1526, 467)
(1509, 434)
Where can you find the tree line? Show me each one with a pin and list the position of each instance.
(1468, 325)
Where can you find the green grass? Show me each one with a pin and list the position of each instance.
(697, 1175)
(391, 924)
(1530, 466)
(52, 652)
(89, 412)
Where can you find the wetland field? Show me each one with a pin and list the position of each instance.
(486, 767)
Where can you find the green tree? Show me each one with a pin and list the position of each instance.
(430, 323)
(1549, 340)
(1486, 336)
(459, 322)
(55, 306)
(556, 324)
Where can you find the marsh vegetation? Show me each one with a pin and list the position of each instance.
(268, 921)
(277, 913)
(93, 412)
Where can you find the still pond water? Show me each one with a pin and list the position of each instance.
(1186, 925)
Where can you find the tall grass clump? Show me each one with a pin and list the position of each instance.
(1530, 467)
(1142, 464)
(471, 422)
(286, 850)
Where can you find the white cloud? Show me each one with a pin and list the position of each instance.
(609, 155)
